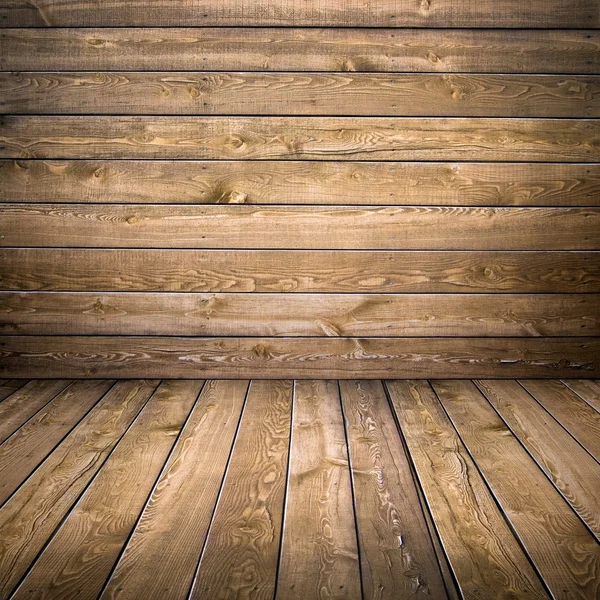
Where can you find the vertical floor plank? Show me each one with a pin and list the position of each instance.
(319, 553)
(80, 556)
(565, 553)
(398, 559)
(25, 402)
(23, 451)
(487, 560)
(449, 580)
(9, 386)
(573, 413)
(32, 514)
(588, 389)
(167, 542)
(571, 469)
(242, 547)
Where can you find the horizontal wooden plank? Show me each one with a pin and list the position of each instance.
(314, 315)
(300, 182)
(298, 271)
(288, 49)
(312, 138)
(276, 358)
(314, 227)
(350, 94)
(357, 13)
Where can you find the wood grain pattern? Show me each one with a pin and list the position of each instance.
(395, 13)
(22, 452)
(80, 555)
(480, 547)
(302, 358)
(296, 271)
(574, 473)
(10, 386)
(293, 49)
(21, 405)
(301, 228)
(292, 315)
(32, 514)
(300, 182)
(578, 417)
(168, 539)
(587, 389)
(397, 557)
(360, 94)
(309, 138)
(565, 553)
(319, 551)
(240, 558)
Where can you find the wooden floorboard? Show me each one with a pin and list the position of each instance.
(573, 413)
(311, 489)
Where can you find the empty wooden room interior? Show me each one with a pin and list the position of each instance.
(300, 299)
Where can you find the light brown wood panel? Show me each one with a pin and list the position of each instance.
(477, 540)
(301, 228)
(308, 315)
(587, 389)
(300, 182)
(23, 451)
(573, 413)
(319, 548)
(395, 13)
(316, 138)
(31, 516)
(25, 402)
(565, 553)
(575, 474)
(397, 555)
(300, 358)
(241, 554)
(293, 49)
(87, 544)
(169, 536)
(227, 93)
(295, 271)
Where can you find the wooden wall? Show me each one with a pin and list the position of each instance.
(243, 188)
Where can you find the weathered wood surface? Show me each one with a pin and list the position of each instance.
(301, 228)
(397, 556)
(302, 358)
(9, 386)
(150, 469)
(25, 402)
(319, 547)
(587, 389)
(563, 550)
(241, 553)
(360, 94)
(394, 13)
(163, 546)
(477, 540)
(295, 271)
(300, 182)
(23, 451)
(571, 411)
(38, 507)
(307, 315)
(575, 474)
(308, 138)
(310, 50)
(87, 544)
